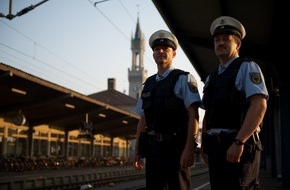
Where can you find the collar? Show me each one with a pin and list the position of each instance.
(223, 67)
(165, 74)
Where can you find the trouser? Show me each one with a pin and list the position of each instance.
(233, 176)
(163, 170)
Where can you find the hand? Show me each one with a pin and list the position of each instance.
(139, 164)
(234, 153)
(187, 158)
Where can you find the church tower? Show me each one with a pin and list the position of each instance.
(137, 75)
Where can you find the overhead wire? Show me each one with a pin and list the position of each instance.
(109, 20)
(119, 30)
(52, 53)
(44, 63)
(36, 44)
(124, 7)
(40, 70)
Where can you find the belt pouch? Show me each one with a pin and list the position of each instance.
(205, 141)
(143, 144)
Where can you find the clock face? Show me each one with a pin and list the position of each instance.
(19, 119)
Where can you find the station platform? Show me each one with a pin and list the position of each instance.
(268, 182)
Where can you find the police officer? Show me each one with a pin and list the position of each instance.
(235, 101)
(168, 110)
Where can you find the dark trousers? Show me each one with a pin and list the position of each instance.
(233, 176)
(163, 171)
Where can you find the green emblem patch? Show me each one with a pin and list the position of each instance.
(255, 78)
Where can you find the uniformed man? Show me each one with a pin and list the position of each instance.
(168, 110)
(235, 101)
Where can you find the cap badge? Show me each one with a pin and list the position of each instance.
(161, 34)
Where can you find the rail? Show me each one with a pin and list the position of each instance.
(74, 178)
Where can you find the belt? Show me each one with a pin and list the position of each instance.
(222, 137)
(227, 136)
(162, 137)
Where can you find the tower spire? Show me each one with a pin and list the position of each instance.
(137, 74)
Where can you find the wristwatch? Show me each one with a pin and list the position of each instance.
(238, 142)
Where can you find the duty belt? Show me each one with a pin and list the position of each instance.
(254, 138)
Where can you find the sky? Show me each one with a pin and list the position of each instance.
(79, 44)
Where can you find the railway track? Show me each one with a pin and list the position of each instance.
(139, 184)
(110, 178)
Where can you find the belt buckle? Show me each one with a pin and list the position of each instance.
(163, 137)
(159, 137)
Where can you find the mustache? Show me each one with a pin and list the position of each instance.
(220, 47)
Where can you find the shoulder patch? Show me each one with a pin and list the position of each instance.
(192, 87)
(255, 78)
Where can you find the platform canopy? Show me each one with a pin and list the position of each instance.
(40, 102)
